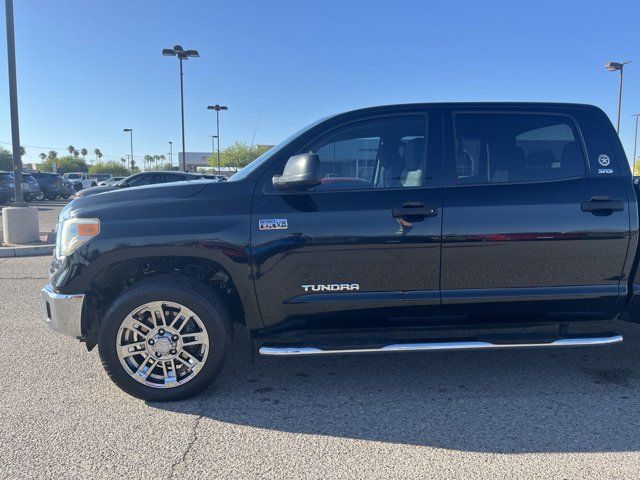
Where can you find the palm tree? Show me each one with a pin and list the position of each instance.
(124, 162)
(43, 156)
(71, 149)
(83, 152)
(75, 153)
(98, 154)
(147, 159)
(156, 160)
(163, 159)
(52, 154)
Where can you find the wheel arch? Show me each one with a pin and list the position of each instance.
(108, 284)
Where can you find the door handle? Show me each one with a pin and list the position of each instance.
(602, 205)
(414, 210)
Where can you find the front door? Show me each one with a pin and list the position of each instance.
(363, 247)
(519, 239)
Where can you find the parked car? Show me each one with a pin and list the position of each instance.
(211, 176)
(80, 180)
(100, 177)
(449, 227)
(51, 184)
(66, 188)
(140, 179)
(7, 192)
(30, 188)
(110, 181)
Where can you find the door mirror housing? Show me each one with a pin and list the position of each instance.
(301, 171)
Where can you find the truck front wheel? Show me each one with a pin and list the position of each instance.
(165, 338)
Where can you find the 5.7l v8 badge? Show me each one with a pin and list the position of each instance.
(273, 224)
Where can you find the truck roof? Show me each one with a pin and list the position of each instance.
(501, 104)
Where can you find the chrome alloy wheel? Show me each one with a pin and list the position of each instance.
(162, 344)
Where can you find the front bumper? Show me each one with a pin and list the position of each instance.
(63, 311)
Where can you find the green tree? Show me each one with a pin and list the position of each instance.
(114, 168)
(75, 154)
(52, 155)
(237, 155)
(6, 160)
(98, 154)
(43, 156)
(71, 149)
(83, 152)
(65, 164)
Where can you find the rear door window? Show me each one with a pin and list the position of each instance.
(505, 148)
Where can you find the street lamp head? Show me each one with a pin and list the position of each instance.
(178, 48)
(168, 52)
(217, 107)
(127, 130)
(615, 66)
(192, 53)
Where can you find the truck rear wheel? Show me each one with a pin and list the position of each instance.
(165, 338)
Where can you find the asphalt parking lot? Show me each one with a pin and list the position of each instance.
(48, 211)
(570, 413)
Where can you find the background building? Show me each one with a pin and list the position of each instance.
(194, 160)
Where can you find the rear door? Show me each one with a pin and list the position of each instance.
(363, 247)
(536, 219)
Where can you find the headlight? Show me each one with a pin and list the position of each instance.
(74, 232)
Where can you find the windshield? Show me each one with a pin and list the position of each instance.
(266, 156)
(73, 176)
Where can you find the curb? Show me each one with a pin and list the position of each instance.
(26, 251)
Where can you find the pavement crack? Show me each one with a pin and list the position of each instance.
(190, 444)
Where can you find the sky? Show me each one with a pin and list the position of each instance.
(88, 69)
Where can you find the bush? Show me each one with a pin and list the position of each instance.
(65, 165)
(114, 168)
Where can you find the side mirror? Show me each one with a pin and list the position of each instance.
(300, 171)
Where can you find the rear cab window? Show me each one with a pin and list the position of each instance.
(516, 147)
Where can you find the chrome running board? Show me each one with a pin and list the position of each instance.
(443, 345)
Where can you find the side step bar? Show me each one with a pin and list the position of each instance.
(443, 345)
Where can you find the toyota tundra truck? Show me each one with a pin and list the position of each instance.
(457, 226)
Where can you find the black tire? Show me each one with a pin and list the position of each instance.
(50, 197)
(203, 301)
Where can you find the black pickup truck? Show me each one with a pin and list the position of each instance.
(396, 228)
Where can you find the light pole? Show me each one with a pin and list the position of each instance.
(217, 108)
(130, 130)
(13, 104)
(213, 147)
(171, 155)
(182, 54)
(635, 144)
(612, 67)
